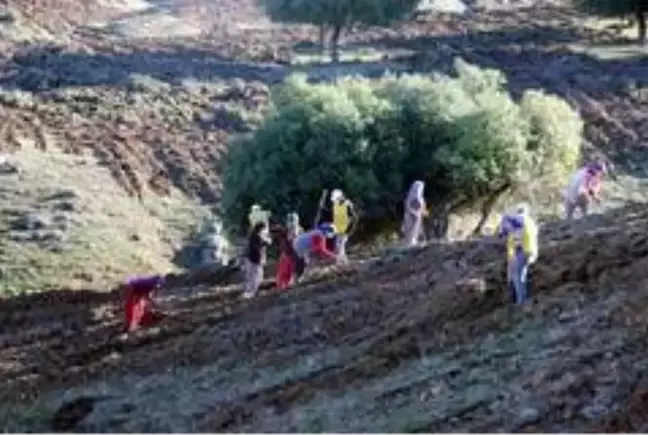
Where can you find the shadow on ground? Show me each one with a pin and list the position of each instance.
(47, 67)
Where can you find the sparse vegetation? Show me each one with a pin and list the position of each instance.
(68, 224)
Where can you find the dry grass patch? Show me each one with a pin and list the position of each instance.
(65, 222)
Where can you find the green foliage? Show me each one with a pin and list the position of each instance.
(552, 121)
(338, 15)
(465, 136)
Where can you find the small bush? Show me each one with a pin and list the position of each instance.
(464, 136)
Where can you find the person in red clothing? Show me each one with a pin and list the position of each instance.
(285, 236)
(312, 242)
(286, 264)
(139, 309)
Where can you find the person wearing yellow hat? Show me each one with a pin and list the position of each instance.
(343, 217)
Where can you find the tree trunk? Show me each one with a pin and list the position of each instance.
(322, 39)
(335, 43)
(487, 208)
(437, 224)
(640, 15)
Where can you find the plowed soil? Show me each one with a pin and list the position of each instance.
(418, 341)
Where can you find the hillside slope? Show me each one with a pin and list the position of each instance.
(422, 341)
(159, 111)
(65, 222)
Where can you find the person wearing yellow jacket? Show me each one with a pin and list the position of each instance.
(344, 217)
(521, 233)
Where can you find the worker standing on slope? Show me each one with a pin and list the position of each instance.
(286, 236)
(521, 250)
(138, 307)
(293, 225)
(312, 242)
(584, 187)
(255, 258)
(344, 218)
(415, 211)
(215, 251)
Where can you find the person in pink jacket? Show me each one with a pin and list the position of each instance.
(583, 188)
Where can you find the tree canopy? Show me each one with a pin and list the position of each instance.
(465, 136)
(338, 15)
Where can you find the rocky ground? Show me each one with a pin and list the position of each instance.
(416, 341)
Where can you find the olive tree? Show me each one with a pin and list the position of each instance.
(465, 136)
(335, 16)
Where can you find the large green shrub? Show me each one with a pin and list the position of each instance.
(464, 136)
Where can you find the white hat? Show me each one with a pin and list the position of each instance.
(255, 207)
(336, 194)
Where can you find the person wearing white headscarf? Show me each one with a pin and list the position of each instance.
(584, 187)
(216, 245)
(414, 212)
(257, 214)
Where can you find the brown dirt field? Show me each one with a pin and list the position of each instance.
(424, 341)
(566, 362)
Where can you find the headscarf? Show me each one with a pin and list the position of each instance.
(292, 225)
(327, 229)
(216, 226)
(337, 195)
(145, 283)
(415, 193)
(595, 168)
(292, 219)
(510, 222)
